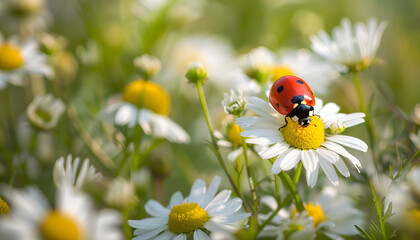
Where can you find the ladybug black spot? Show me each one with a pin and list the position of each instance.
(299, 81)
(280, 89)
(298, 99)
(277, 105)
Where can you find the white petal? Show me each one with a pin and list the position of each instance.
(176, 199)
(226, 209)
(349, 141)
(181, 237)
(342, 168)
(286, 161)
(328, 155)
(343, 152)
(220, 198)
(328, 109)
(200, 235)
(275, 150)
(151, 234)
(211, 191)
(155, 209)
(164, 236)
(329, 170)
(232, 156)
(148, 223)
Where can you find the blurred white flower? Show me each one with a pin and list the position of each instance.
(67, 173)
(310, 144)
(257, 64)
(147, 65)
(28, 17)
(150, 113)
(304, 64)
(18, 60)
(330, 214)
(415, 138)
(355, 49)
(201, 210)
(121, 193)
(233, 103)
(71, 217)
(45, 111)
(89, 55)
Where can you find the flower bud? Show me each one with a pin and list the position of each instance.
(234, 103)
(337, 127)
(147, 65)
(160, 166)
(196, 72)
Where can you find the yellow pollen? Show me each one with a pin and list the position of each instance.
(4, 208)
(281, 70)
(58, 226)
(315, 211)
(10, 57)
(187, 217)
(145, 94)
(309, 137)
(233, 134)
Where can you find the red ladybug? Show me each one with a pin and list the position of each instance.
(292, 96)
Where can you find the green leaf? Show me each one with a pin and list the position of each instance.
(363, 233)
(388, 212)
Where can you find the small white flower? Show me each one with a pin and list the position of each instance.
(45, 111)
(201, 211)
(121, 193)
(306, 65)
(150, 113)
(337, 127)
(147, 65)
(230, 138)
(311, 145)
(72, 217)
(233, 103)
(67, 173)
(355, 49)
(18, 60)
(258, 63)
(330, 214)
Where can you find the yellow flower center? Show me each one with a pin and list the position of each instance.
(4, 208)
(281, 70)
(10, 57)
(187, 217)
(58, 226)
(145, 94)
(309, 137)
(233, 134)
(315, 211)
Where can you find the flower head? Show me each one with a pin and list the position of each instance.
(67, 173)
(196, 72)
(147, 104)
(121, 193)
(201, 212)
(233, 103)
(17, 60)
(355, 49)
(147, 65)
(45, 111)
(72, 217)
(291, 143)
(258, 63)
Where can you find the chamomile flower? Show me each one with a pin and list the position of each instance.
(233, 103)
(355, 49)
(17, 60)
(330, 214)
(72, 217)
(45, 111)
(147, 104)
(231, 138)
(67, 173)
(306, 65)
(194, 216)
(313, 144)
(258, 63)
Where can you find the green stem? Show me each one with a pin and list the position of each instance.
(248, 171)
(124, 160)
(135, 163)
(291, 188)
(297, 173)
(126, 227)
(368, 119)
(379, 212)
(214, 142)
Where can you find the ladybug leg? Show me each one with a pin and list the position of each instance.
(285, 119)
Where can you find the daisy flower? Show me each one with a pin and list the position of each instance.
(18, 60)
(318, 144)
(121, 193)
(233, 103)
(151, 112)
(257, 64)
(72, 217)
(355, 49)
(67, 173)
(231, 138)
(330, 214)
(45, 111)
(308, 66)
(194, 216)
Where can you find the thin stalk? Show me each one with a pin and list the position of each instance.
(368, 118)
(248, 171)
(135, 162)
(214, 142)
(291, 188)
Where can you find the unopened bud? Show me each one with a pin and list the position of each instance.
(196, 72)
(147, 65)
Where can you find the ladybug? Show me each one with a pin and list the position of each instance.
(292, 96)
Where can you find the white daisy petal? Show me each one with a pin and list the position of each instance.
(180, 237)
(148, 223)
(151, 234)
(155, 209)
(287, 161)
(275, 150)
(228, 208)
(329, 171)
(349, 141)
(342, 168)
(343, 152)
(328, 155)
(232, 156)
(200, 235)
(166, 235)
(176, 199)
